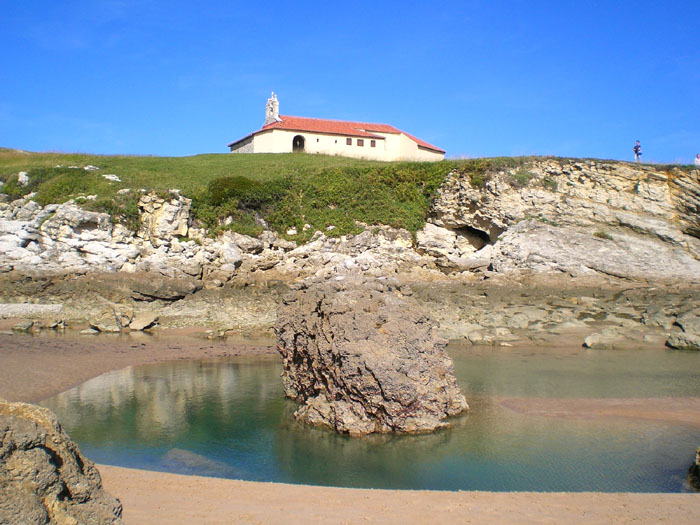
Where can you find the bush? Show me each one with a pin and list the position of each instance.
(603, 235)
(57, 185)
(249, 193)
(228, 188)
(521, 178)
(13, 188)
(237, 200)
(549, 184)
(122, 208)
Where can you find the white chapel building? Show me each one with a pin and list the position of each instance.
(363, 140)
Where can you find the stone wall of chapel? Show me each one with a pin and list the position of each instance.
(244, 146)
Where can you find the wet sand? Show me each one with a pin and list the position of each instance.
(677, 410)
(35, 367)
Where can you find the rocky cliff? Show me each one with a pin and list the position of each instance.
(547, 215)
(578, 217)
(43, 476)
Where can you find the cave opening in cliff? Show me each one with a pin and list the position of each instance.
(477, 238)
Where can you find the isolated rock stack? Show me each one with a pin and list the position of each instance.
(43, 476)
(362, 358)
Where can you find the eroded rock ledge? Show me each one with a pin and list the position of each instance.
(43, 476)
(362, 357)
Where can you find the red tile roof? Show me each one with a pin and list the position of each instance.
(339, 127)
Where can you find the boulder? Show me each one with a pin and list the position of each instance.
(144, 321)
(23, 327)
(683, 341)
(607, 339)
(245, 243)
(43, 476)
(108, 321)
(167, 289)
(362, 357)
(689, 338)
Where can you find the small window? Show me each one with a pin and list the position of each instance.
(360, 142)
(336, 141)
(316, 140)
(373, 143)
(348, 142)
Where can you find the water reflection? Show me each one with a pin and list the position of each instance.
(229, 418)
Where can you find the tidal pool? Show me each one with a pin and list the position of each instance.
(229, 418)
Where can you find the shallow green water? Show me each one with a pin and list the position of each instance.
(229, 418)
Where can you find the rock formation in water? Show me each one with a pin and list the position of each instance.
(43, 476)
(362, 357)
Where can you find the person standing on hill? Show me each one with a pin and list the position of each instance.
(637, 152)
(697, 160)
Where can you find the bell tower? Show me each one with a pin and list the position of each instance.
(272, 110)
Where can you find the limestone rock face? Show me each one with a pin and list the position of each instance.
(651, 214)
(362, 358)
(163, 219)
(43, 476)
(541, 247)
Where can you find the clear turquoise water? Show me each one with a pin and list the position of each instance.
(229, 418)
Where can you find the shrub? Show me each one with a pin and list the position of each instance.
(122, 208)
(13, 188)
(521, 178)
(57, 185)
(228, 188)
(549, 184)
(249, 193)
(237, 199)
(545, 220)
(603, 235)
(477, 180)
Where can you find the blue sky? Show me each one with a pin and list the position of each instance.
(476, 78)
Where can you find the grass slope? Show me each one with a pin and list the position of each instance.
(237, 192)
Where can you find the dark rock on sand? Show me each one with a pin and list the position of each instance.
(23, 327)
(689, 338)
(684, 341)
(362, 357)
(694, 472)
(43, 476)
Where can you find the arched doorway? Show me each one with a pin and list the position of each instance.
(298, 144)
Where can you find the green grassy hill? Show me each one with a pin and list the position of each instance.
(286, 190)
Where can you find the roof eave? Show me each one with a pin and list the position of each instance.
(240, 140)
(436, 150)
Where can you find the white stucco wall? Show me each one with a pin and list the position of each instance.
(280, 141)
(409, 150)
(388, 148)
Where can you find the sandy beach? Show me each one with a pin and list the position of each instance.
(35, 367)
